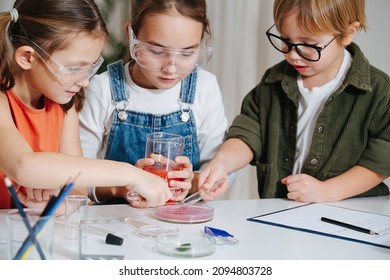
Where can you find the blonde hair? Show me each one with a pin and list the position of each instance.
(322, 16)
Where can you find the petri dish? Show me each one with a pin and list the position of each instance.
(182, 213)
(149, 230)
(155, 230)
(185, 245)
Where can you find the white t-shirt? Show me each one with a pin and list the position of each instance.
(311, 103)
(207, 110)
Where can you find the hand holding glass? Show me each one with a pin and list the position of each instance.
(163, 148)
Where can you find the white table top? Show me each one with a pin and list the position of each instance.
(256, 241)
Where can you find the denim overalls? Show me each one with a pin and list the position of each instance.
(127, 138)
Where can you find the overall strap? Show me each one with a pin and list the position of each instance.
(188, 87)
(117, 78)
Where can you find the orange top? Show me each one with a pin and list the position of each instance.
(40, 128)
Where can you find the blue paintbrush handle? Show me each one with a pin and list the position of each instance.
(19, 205)
(41, 223)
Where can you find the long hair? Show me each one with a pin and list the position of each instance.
(51, 24)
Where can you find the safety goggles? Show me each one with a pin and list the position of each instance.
(67, 76)
(156, 58)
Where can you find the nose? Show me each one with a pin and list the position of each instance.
(83, 83)
(171, 67)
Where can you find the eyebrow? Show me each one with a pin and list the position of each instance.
(162, 46)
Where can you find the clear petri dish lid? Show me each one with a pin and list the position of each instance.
(156, 230)
(186, 245)
(149, 230)
(182, 213)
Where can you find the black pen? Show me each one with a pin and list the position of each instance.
(349, 226)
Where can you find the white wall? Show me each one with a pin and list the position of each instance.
(6, 5)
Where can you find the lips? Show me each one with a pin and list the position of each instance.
(167, 80)
(300, 68)
(71, 93)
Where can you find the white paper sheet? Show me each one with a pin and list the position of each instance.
(308, 218)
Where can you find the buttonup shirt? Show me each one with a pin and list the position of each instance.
(352, 129)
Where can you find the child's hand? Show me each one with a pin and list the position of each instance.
(154, 158)
(304, 188)
(151, 189)
(34, 198)
(212, 181)
(142, 162)
(180, 181)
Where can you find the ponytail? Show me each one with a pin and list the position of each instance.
(7, 80)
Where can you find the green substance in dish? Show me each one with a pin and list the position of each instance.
(184, 247)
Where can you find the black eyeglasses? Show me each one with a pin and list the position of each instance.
(306, 51)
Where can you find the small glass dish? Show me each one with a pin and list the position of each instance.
(185, 245)
(149, 230)
(183, 213)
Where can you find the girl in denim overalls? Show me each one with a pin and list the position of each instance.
(161, 88)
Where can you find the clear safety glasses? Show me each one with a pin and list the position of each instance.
(67, 76)
(155, 58)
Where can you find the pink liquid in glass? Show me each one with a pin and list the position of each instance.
(162, 171)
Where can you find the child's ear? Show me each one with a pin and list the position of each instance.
(24, 57)
(352, 30)
(127, 28)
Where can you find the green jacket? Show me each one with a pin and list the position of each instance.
(352, 129)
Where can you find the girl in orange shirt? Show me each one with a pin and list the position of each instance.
(49, 50)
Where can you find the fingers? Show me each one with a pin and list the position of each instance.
(141, 203)
(214, 182)
(147, 203)
(152, 190)
(40, 194)
(294, 196)
(301, 188)
(34, 194)
(131, 196)
(180, 181)
(183, 160)
(47, 194)
(292, 184)
(141, 163)
(218, 188)
(31, 203)
(161, 159)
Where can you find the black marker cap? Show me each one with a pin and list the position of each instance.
(113, 239)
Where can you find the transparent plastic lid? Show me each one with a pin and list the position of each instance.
(149, 230)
